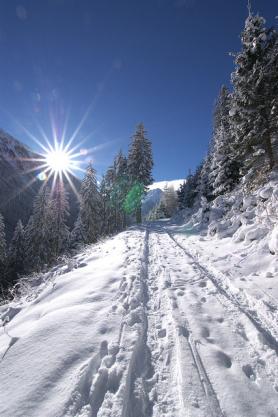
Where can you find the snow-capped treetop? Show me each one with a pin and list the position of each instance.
(140, 159)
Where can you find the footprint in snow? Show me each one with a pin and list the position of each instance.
(223, 359)
(249, 372)
(220, 319)
(205, 332)
(161, 333)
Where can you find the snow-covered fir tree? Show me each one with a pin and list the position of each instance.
(224, 168)
(251, 108)
(108, 211)
(77, 235)
(16, 253)
(188, 191)
(158, 212)
(170, 200)
(203, 183)
(140, 163)
(60, 214)
(180, 194)
(38, 232)
(120, 189)
(2, 245)
(90, 206)
(271, 92)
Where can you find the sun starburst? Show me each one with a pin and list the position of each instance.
(58, 160)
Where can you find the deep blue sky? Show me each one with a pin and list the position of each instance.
(157, 61)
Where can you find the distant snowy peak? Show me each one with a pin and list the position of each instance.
(150, 201)
(161, 184)
(15, 153)
(155, 193)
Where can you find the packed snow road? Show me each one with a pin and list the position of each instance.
(138, 326)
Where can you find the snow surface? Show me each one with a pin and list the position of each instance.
(162, 320)
(162, 184)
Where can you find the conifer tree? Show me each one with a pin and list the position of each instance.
(140, 164)
(120, 189)
(60, 214)
(90, 206)
(16, 253)
(251, 107)
(170, 200)
(108, 210)
(181, 194)
(158, 212)
(38, 232)
(77, 235)
(2, 247)
(224, 168)
(204, 186)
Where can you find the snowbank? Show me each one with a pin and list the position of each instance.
(246, 218)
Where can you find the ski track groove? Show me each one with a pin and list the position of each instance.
(185, 337)
(149, 385)
(271, 339)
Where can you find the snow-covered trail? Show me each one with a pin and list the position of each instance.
(140, 328)
(234, 355)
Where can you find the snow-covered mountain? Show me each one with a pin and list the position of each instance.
(162, 184)
(150, 201)
(155, 194)
(19, 183)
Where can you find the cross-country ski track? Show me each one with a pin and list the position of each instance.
(156, 333)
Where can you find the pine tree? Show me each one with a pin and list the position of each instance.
(2, 248)
(204, 186)
(181, 194)
(108, 211)
(90, 206)
(38, 232)
(77, 235)
(16, 254)
(188, 191)
(251, 107)
(140, 164)
(120, 189)
(158, 212)
(271, 90)
(60, 214)
(170, 200)
(224, 168)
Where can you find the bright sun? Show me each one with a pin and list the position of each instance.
(58, 161)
